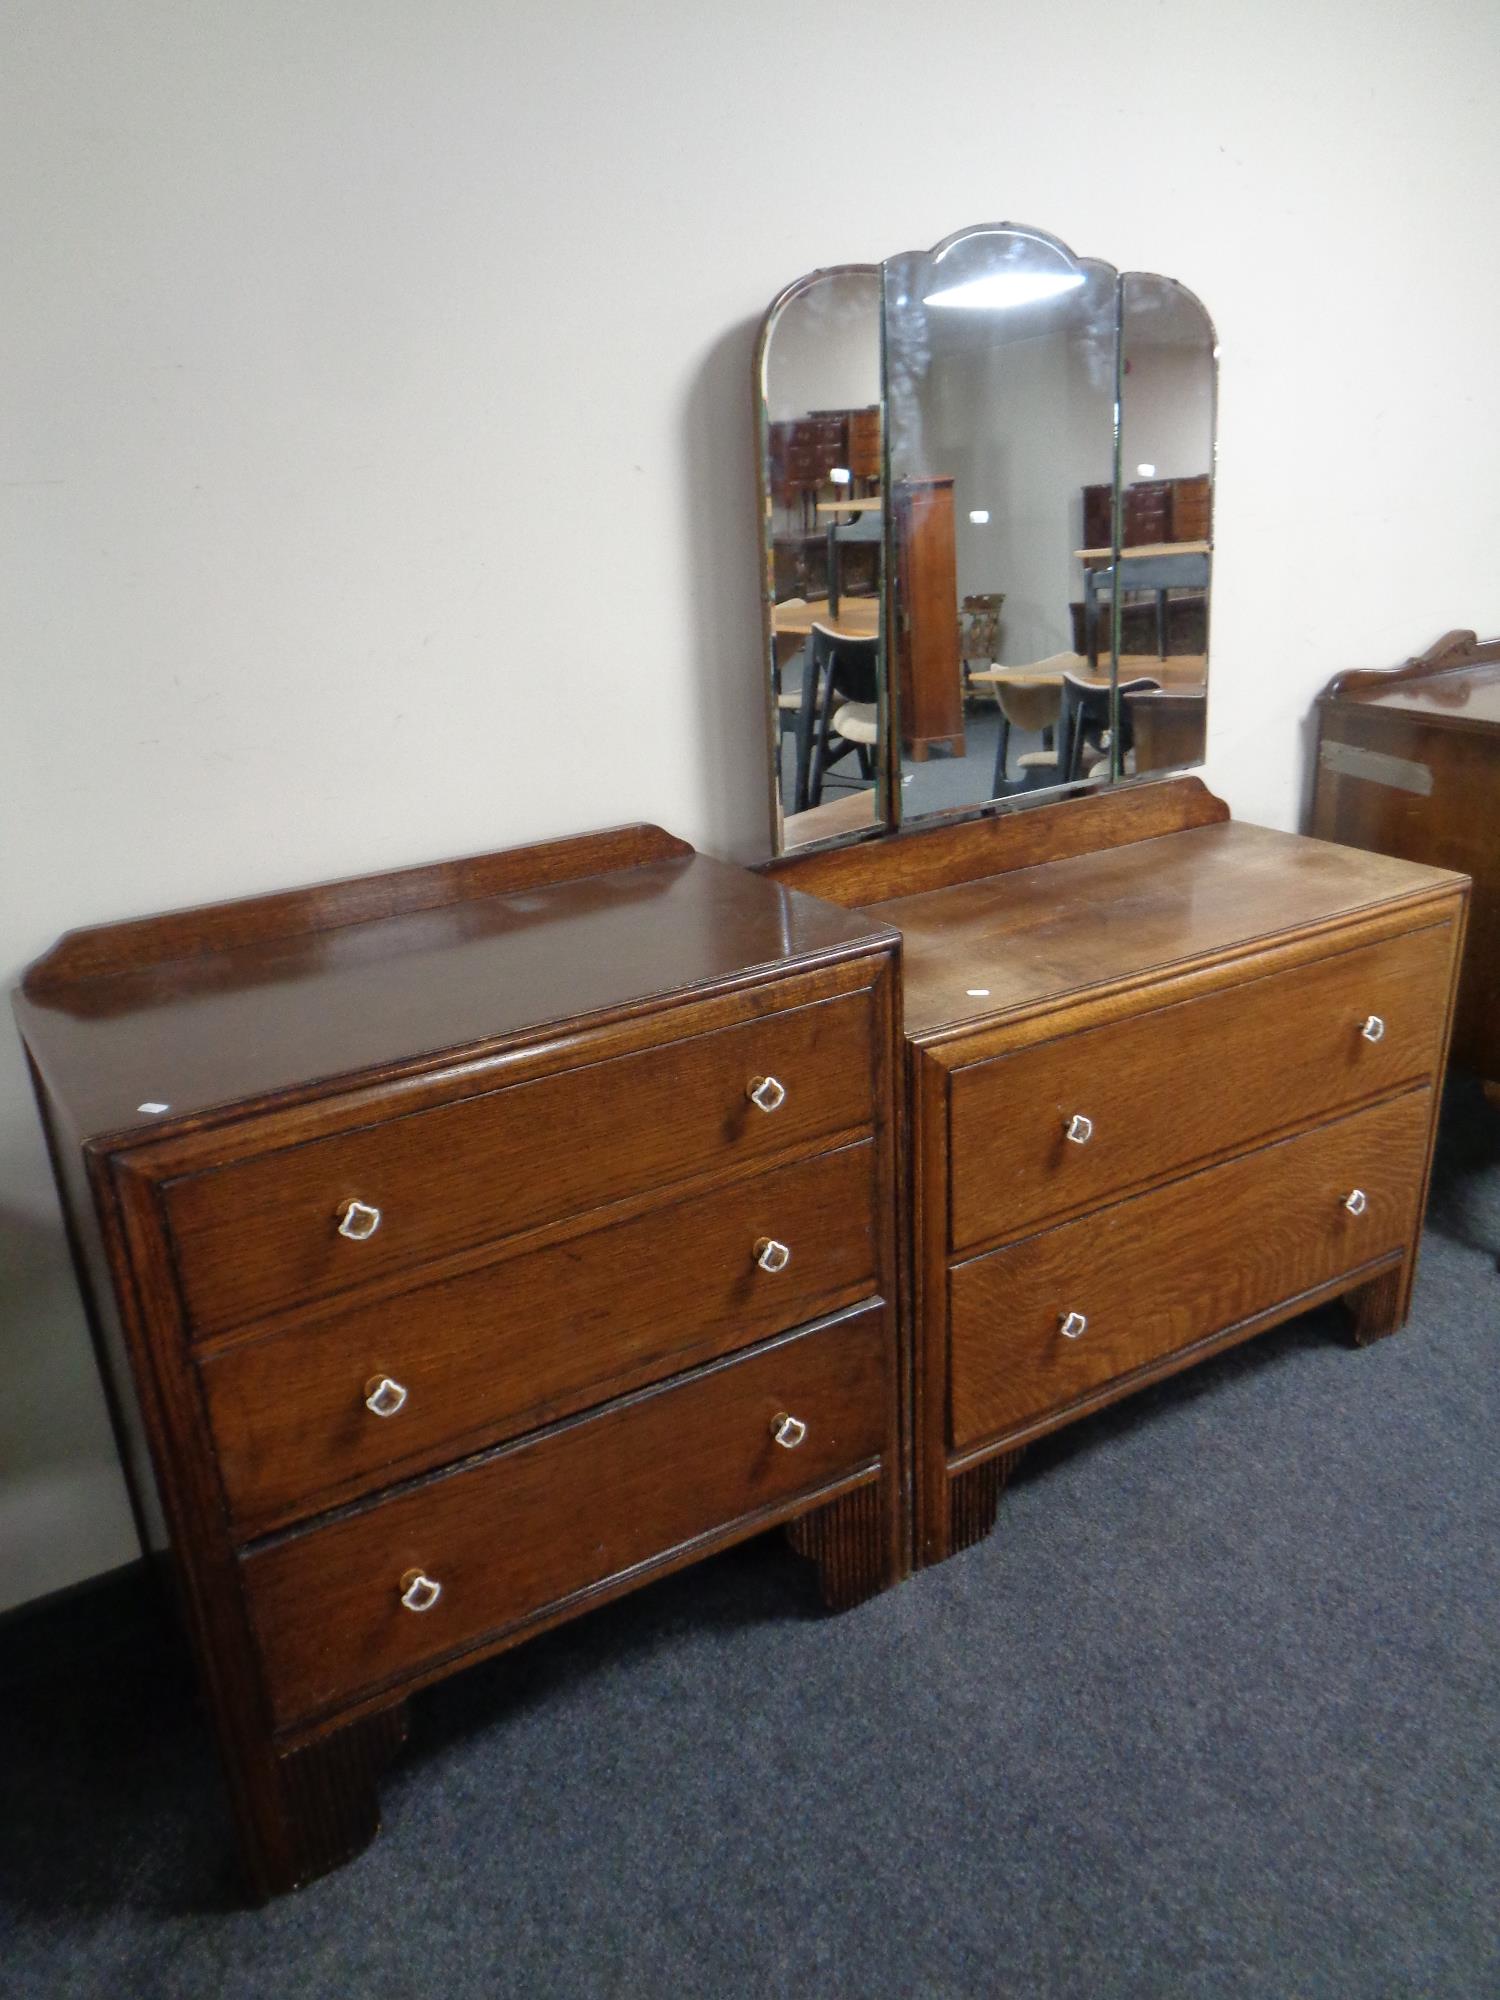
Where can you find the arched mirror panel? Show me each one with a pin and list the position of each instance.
(986, 490)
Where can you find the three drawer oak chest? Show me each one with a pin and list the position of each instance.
(465, 1246)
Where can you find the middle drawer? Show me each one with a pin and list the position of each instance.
(343, 1403)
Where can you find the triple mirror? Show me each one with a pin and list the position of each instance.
(986, 483)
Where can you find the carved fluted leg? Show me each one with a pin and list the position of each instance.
(974, 1498)
(851, 1542)
(1378, 1308)
(320, 1805)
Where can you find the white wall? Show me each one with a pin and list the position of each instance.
(374, 371)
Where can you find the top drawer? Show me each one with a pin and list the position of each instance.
(264, 1233)
(1158, 1092)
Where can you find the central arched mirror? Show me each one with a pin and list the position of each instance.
(986, 483)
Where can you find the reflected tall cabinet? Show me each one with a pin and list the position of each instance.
(928, 666)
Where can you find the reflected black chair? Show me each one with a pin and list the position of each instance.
(1084, 722)
(841, 690)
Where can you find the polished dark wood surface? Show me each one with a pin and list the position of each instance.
(937, 857)
(641, 1480)
(543, 1059)
(541, 1333)
(1408, 764)
(1156, 1274)
(290, 1001)
(1095, 920)
(1161, 1095)
(259, 1235)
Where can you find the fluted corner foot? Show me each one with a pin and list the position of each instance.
(974, 1499)
(1378, 1308)
(327, 1803)
(853, 1544)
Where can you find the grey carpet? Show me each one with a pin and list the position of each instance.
(1213, 1712)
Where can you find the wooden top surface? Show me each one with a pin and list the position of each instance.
(850, 812)
(867, 504)
(319, 984)
(1467, 695)
(858, 618)
(978, 948)
(1140, 550)
(1185, 671)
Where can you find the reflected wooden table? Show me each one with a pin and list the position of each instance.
(850, 814)
(856, 617)
(1158, 566)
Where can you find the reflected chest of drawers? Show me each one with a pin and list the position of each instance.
(466, 1246)
(1171, 1080)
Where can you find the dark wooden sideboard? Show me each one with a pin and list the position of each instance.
(1170, 1080)
(1408, 763)
(465, 1246)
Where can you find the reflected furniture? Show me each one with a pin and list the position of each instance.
(929, 671)
(1408, 763)
(1011, 373)
(1151, 510)
(839, 692)
(858, 617)
(1168, 727)
(1170, 1080)
(1157, 567)
(468, 1245)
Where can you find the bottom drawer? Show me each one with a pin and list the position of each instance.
(335, 1608)
(1153, 1275)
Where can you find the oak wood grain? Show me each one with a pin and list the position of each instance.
(291, 1014)
(537, 1522)
(1136, 912)
(262, 1234)
(998, 844)
(103, 950)
(1159, 1272)
(1167, 1088)
(313, 1019)
(534, 1337)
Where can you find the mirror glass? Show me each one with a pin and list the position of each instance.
(1166, 521)
(819, 410)
(986, 491)
(1000, 353)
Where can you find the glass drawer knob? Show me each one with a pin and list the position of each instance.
(1373, 1029)
(771, 1255)
(359, 1221)
(768, 1092)
(419, 1592)
(1073, 1325)
(1356, 1202)
(384, 1396)
(788, 1431)
(1080, 1129)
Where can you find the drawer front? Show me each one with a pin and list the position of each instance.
(1179, 1084)
(1151, 1276)
(264, 1234)
(544, 1520)
(536, 1336)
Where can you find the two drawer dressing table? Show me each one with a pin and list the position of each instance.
(1170, 1080)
